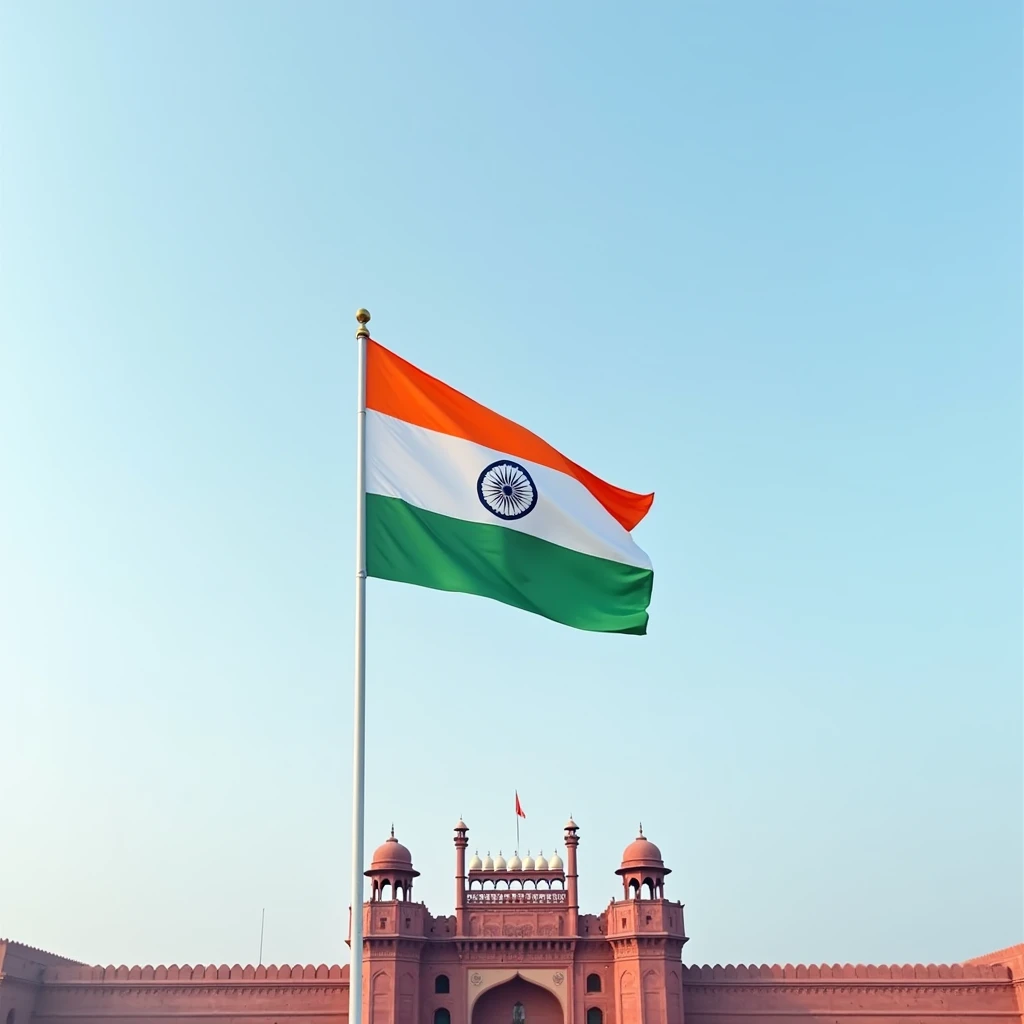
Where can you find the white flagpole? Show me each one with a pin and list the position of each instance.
(355, 979)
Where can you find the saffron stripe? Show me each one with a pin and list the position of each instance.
(399, 389)
(411, 545)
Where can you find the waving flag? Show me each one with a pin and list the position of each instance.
(459, 498)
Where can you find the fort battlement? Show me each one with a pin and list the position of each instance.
(516, 947)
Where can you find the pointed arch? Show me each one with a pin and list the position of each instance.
(544, 1002)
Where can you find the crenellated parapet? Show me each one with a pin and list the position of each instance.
(705, 974)
(201, 973)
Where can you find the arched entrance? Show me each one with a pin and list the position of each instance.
(517, 1001)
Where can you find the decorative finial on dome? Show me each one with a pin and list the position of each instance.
(392, 830)
(641, 830)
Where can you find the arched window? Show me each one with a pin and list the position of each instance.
(594, 1016)
(442, 985)
(593, 982)
(442, 1016)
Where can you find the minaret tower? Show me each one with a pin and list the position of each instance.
(461, 842)
(572, 840)
(647, 935)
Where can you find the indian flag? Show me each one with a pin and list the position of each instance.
(461, 499)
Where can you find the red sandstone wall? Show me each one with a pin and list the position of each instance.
(22, 968)
(1013, 958)
(203, 994)
(849, 994)
(45, 989)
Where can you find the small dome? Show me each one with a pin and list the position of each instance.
(555, 864)
(528, 863)
(391, 855)
(514, 863)
(540, 864)
(642, 853)
(461, 827)
(488, 864)
(570, 826)
(499, 863)
(475, 863)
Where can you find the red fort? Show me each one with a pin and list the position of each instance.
(516, 951)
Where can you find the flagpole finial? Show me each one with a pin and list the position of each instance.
(363, 316)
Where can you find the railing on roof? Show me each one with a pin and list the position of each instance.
(512, 897)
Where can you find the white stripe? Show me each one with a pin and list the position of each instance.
(439, 473)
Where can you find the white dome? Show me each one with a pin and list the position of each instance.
(499, 862)
(514, 863)
(540, 864)
(475, 863)
(555, 864)
(527, 863)
(488, 864)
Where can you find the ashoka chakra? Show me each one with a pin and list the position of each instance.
(507, 490)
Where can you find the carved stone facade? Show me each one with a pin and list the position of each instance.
(516, 951)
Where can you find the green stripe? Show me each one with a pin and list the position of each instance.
(411, 545)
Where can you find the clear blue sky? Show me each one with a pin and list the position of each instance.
(763, 258)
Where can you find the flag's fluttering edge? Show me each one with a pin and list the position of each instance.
(459, 498)
(520, 813)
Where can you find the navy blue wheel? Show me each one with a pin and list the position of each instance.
(507, 490)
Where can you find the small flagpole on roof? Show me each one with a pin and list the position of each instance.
(355, 980)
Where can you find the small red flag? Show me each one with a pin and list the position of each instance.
(519, 807)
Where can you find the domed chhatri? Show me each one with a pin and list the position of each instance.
(642, 870)
(391, 855)
(555, 864)
(514, 863)
(488, 864)
(499, 863)
(475, 863)
(540, 864)
(391, 871)
(527, 863)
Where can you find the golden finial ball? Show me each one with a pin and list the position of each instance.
(363, 316)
